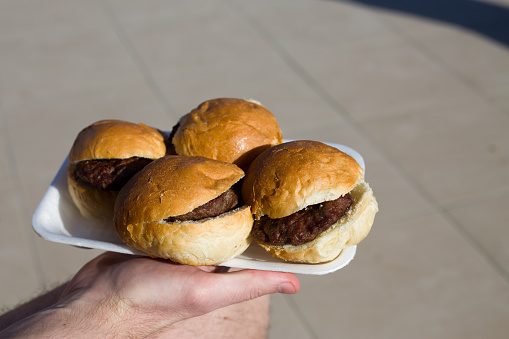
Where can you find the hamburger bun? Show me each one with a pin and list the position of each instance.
(227, 129)
(174, 186)
(108, 139)
(291, 176)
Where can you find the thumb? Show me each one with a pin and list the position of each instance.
(230, 288)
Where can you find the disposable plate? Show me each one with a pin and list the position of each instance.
(57, 219)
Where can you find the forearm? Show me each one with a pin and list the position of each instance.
(79, 316)
(49, 323)
(75, 319)
(35, 305)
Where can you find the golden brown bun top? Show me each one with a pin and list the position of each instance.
(174, 185)
(288, 177)
(226, 129)
(117, 139)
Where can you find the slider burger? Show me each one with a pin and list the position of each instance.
(186, 209)
(104, 156)
(310, 201)
(227, 129)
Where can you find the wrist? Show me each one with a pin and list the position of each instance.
(33, 306)
(96, 318)
(113, 316)
(47, 323)
(74, 318)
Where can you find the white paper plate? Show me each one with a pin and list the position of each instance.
(57, 219)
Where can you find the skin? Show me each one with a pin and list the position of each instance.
(117, 295)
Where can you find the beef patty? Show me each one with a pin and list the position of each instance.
(223, 203)
(301, 226)
(108, 174)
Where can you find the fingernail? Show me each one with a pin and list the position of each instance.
(286, 288)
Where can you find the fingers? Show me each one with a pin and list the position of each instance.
(264, 282)
(211, 291)
(288, 287)
(219, 290)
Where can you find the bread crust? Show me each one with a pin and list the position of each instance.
(92, 203)
(109, 139)
(209, 241)
(227, 129)
(175, 185)
(117, 139)
(351, 229)
(291, 176)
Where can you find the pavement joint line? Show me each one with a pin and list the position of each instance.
(138, 60)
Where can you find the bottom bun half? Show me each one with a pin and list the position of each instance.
(92, 202)
(209, 241)
(351, 229)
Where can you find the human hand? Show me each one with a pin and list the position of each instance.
(136, 296)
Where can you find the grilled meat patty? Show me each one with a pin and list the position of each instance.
(302, 226)
(108, 174)
(223, 203)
